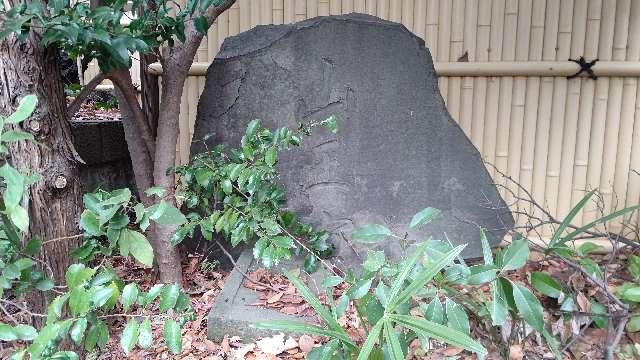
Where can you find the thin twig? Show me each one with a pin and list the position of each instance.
(244, 275)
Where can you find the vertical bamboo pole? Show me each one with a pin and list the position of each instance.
(408, 9)
(548, 100)
(493, 85)
(289, 11)
(255, 11)
(475, 129)
(372, 7)
(596, 139)
(383, 9)
(469, 45)
(420, 19)
(335, 7)
(626, 181)
(559, 113)
(585, 113)
(312, 8)
(347, 6)
(457, 38)
(245, 14)
(531, 101)
(444, 37)
(278, 11)
(395, 10)
(266, 12)
(234, 19)
(614, 108)
(360, 6)
(223, 33)
(516, 135)
(431, 31)
(300, 10)
(323, 7)
(510, 35)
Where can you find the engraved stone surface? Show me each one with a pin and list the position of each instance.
(397, 150)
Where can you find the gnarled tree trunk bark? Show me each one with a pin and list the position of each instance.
(55, 201)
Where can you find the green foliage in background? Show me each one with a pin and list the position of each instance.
(79, 307)
(108, 33)
(234, 194)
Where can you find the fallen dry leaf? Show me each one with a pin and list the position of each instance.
(306, 343)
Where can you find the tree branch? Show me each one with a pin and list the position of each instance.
(84, 94)
(122, 79)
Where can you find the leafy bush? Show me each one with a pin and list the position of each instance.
(234, 193)
(89, 295)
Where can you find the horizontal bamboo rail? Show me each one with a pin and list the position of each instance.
(492, 68)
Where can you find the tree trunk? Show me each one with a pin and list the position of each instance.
(167, 255)
(55, 201)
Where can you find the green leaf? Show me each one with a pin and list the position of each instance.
(332, 281)
(158, 191)
(545, 284)
(100, 295)
(98, 335)
(367, 347)
(597, 222)
(314, 302)
(78, 275)
(164, 213)
(325, 352)
(79, 301)
(7, 333)
(138, 245)
(25, 332)
(331, 123)
(591, 267)
(630, 294)
(434, 311)
(423, 217)
(129, 336)
(634, 266)
(599, 321)
(499, 306)
(19, 217)
(514, 256)
(588, 248)
(26, 106)
(480, 274)
(375, 260)
(371, 233)
(404, 273)
(227, 187)
(529, 307)
(270, 156)
(201, 24)
(567, 220)
(395, 350)
(169, 297)
(172, 336)
(129, 296)
(290, 326)
(78, 329)
(14, 186)
(33, 246)
(90, 223)
(12, 135)
(456, 316)
(145, 334)
(634, 324)
(440, 332)
(486, 249)
(359, 289)
(152, 294)
(428, 272)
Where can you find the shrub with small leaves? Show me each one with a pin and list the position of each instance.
(234, 194)
(80, 306)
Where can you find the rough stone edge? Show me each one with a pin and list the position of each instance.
(281, 31)
(222, 321)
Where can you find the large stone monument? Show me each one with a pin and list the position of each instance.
(397, 150)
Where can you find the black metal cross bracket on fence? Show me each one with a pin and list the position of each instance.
(584, 67)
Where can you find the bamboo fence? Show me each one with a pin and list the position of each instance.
(558, 137)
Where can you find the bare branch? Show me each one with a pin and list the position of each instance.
(84, 94)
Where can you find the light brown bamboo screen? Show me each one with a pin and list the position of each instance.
(557, 137)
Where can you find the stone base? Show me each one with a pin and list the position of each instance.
(232, 313)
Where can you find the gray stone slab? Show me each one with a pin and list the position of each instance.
(398, 149)
(232, 313)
